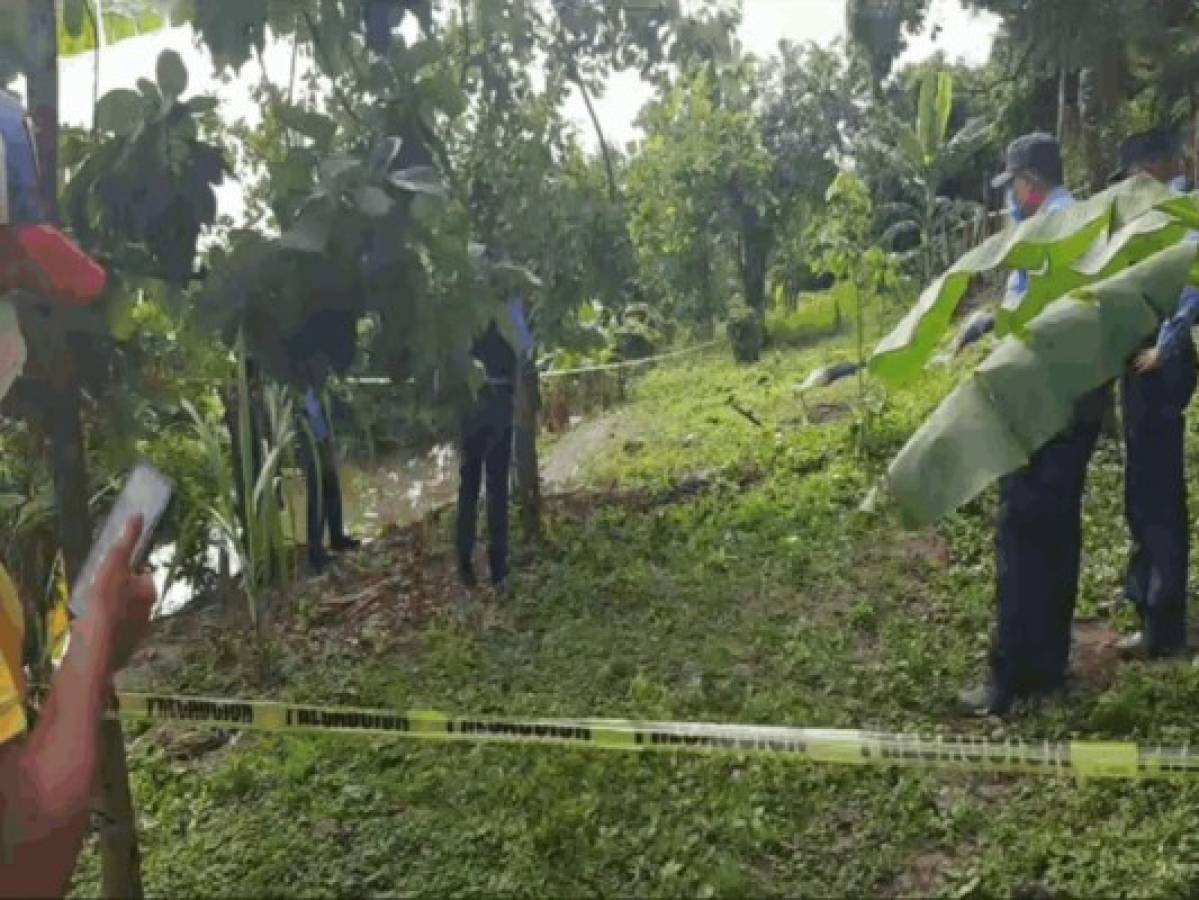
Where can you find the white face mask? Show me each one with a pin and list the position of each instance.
(12, 348)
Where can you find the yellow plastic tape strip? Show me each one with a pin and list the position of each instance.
(1105, 760)
(1081, 759)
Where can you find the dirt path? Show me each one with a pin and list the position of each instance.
(564, 464)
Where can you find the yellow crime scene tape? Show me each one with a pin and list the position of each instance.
(1080, 759)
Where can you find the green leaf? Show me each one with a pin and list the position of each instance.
(199, 106)
(1025, 392)
(969, 140)
(383, 154)
(516, 276)
(335, 168)
(909, 146)
(311, 124)
(120, 112)
(443, 92)
(419, 180)
(372, 201)
(310, 234)
(150, 91)
(120, 313)
(926, 119)
(1049, 245)
(172, 75)
(944, 106)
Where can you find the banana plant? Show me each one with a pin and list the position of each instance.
(261, 545)
(925, 154)
(86, 26)
(1103, 274)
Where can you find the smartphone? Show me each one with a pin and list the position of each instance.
(147, 493)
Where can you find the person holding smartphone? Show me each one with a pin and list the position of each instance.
(48, 776)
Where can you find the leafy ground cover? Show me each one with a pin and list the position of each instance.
(716, 568)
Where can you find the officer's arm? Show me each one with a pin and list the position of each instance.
(46, 781)
(516, 311)
(1180, 324)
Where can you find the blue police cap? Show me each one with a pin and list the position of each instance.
(1147, 147)
(1036, 154)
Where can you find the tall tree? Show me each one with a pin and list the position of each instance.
(733, 159)
(879, 29)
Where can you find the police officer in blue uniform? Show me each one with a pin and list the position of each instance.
(318, 455)
(486, 447)
(1039, 534)
(24, 205)
(1156, 390)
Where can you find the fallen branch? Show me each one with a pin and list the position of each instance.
(737, 407)
(350, 599)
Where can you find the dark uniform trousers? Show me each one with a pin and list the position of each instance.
(1155, 502)
(324, 495)
(486, 452)
(1038, 555)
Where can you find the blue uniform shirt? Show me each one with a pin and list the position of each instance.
(316, 416)
(20, 155)
(1176, 328)
(1059, 198)
(516, 313)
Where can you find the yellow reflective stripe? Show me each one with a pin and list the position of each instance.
(12, 721)
(844, 751)
(614, 738)
(1104, 759)
(12, 682)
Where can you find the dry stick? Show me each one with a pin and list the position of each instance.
(745, 412)
(803, 401)
(349, 599)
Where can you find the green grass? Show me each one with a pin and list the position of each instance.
(766, 599)
(813, 319)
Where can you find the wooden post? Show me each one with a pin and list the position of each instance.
(120, 861)
(1061, 105)
(528, 473)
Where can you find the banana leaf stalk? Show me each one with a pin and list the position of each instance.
(1104, 274)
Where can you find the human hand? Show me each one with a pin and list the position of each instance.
(1147, 361)
(121, 601)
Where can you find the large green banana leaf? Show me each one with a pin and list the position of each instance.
(1024, 393)
(1060, 250)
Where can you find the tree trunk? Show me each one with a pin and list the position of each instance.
(528, 473)
(120, 857)
(118, 837)
(42, 79)
(1194, 173)
(755, 252)
(71, 491)
(1061, 105)
(609, 168)
(1097, 91)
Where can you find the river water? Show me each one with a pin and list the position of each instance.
(395, 491)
